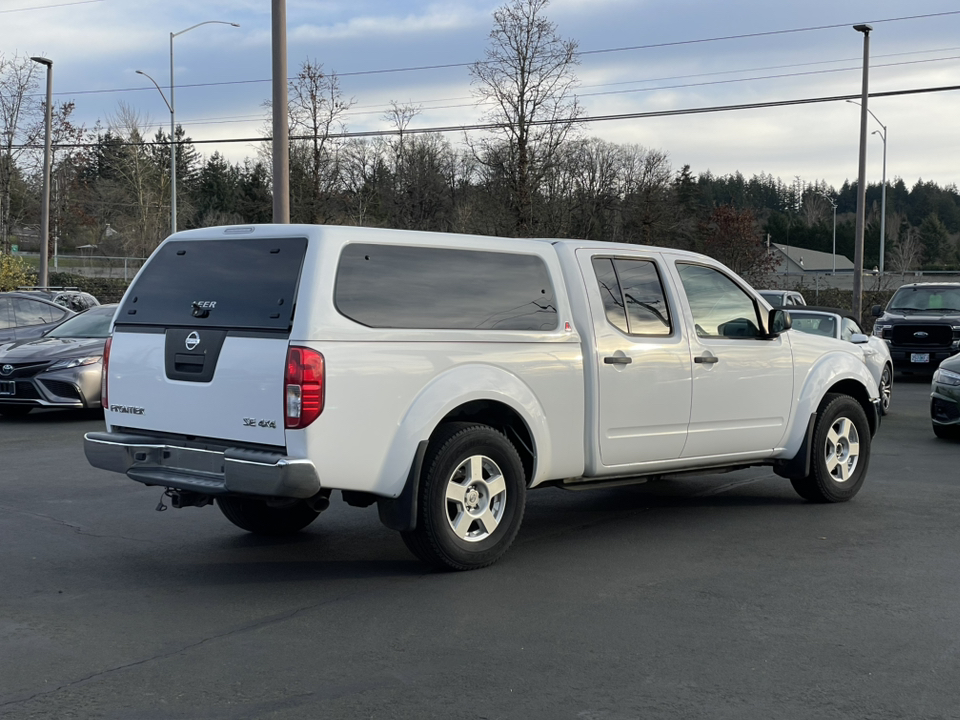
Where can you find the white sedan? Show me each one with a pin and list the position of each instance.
(840, 324)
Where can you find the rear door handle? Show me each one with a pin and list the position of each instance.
(618, 360)
(708, 359)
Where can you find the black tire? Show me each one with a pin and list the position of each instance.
(886, 389)
(841, 452)
(946, 432)
(476, 530)
(15, 411)
(258, 517)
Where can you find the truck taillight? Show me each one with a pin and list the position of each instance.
(103, 374)
(304, 387)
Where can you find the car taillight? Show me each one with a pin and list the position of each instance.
(103, 374)
(304, 386)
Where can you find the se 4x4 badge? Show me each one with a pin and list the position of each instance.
(253, 422)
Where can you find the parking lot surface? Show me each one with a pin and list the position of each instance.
(711, 597)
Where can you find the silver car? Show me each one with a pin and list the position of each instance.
(832, 322)
(59, 370)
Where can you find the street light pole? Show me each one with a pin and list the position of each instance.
(43, 278)
(862, 178)
(834, 204)
(173, 123)
(171, 106)
(883, 189)
(883, 193)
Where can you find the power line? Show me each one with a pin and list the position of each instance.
(767, 33)
(381, 107)
(569, 121)
(48, 7)
(582, 52)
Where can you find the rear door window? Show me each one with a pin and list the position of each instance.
(397, 286)
(236, 283)
(30, 312)
(633, 296)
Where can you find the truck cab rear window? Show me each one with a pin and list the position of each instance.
(243, 284)
(394, 286)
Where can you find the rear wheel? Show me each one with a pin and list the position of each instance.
(841, 452)
(471, 498)
(258, 517)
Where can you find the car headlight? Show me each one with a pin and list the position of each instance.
(879, 329)
(946, 377)
(75, 362)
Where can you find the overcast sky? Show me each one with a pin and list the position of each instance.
(688, 58)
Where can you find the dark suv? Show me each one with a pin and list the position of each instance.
(921, 325)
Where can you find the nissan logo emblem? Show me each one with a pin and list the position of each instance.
(921, 334)
(6, 370)
(193, 339)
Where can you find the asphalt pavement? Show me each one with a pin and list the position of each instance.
(714, 597)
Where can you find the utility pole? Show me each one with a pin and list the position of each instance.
(862, 179)
(281, 131)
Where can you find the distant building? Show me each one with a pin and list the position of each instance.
(794, 261)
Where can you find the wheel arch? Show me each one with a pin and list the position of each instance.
(856, 390)
(472, 393)
(481, 394)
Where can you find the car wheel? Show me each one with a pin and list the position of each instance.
(258, 517)
(841, 452)
(886, 389)
(15, 411)
(946, 432)
(471, 498)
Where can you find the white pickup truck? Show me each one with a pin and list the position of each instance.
(442, 376)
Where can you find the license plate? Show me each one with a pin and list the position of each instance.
(8, 387)
(919, 357)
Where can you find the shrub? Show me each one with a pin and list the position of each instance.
(14, 273)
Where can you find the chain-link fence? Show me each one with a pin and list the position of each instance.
(93, 266)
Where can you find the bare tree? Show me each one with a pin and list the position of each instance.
(528, 79)
(136, 189)
(907, 252)
(317, 106)
(21, 123)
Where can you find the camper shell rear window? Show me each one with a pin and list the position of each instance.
(248, 284)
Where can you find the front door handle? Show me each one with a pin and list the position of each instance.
(708, 359)
(618, 360)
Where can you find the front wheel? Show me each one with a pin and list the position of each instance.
(886, 389)
(841, 452)
(260, 518)
(471, 498)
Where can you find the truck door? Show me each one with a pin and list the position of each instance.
(742, 383)
(642, 360)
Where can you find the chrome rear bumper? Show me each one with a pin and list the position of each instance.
(210, 472)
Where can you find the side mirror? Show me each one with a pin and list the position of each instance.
(859, 339)
(778, 321)
(876, 311)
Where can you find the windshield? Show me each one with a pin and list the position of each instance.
(813, 324)
(94, 323)
(918, 299)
